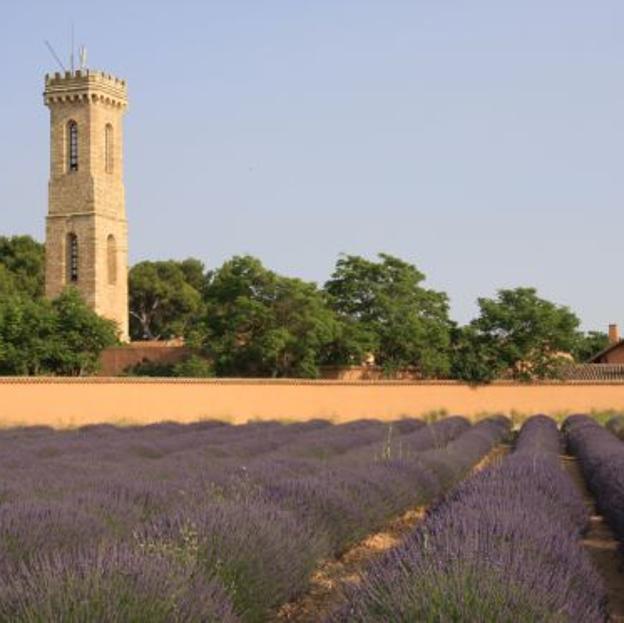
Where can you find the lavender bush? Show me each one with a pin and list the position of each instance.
(503, 546)
(616, 426)
(260, 553)
(359, 490)
(601, 456)
(115, 584)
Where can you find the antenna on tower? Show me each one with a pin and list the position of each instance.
(55, 55)
(71, 55)
(83, 57)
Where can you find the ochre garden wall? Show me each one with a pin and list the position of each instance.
(73, 402)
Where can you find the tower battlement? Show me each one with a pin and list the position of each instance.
(85, 84)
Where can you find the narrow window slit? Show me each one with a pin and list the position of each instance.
(72, 156)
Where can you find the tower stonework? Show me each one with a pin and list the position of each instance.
(86, 226)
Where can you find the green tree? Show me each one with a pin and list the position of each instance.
(21, 266)
(7, 282)
(353, 343)
(194, 273)
(517, 334)
(165, 297)
(27, 333)
(61, 337)
(388, 312)
(192, 366)
(474, 357)
(589, 344)
(80, 335)
(258, 323)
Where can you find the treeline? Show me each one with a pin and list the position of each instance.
(249, 321)
(245, 320)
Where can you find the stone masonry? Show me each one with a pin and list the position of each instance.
(86, 226)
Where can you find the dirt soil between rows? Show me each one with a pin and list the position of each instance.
(330, 580)
(601, 545)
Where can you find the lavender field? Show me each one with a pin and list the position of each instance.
(503, 546)
(214, 522)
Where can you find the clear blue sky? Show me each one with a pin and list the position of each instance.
(481, 140)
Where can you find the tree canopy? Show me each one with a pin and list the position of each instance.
(386, 310)
(259, 323)
(165, 298)
(590, 344)
(21, 266)
(517, 334)
(61, 337)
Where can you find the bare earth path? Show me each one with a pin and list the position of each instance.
(602, 546)
(329, 581)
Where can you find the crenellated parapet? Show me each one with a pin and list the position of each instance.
(85, 85)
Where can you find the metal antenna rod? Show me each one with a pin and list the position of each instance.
(83, 57)
(71, 56)
(55, 55)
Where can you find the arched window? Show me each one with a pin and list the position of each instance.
(72, 146)
(111, 259)
(108, 148)
(72, 258)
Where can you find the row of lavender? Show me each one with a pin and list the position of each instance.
(504, 546)
(601, 456)
(204, 522)
(616, 426)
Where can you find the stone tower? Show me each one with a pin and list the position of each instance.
(86, 227)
